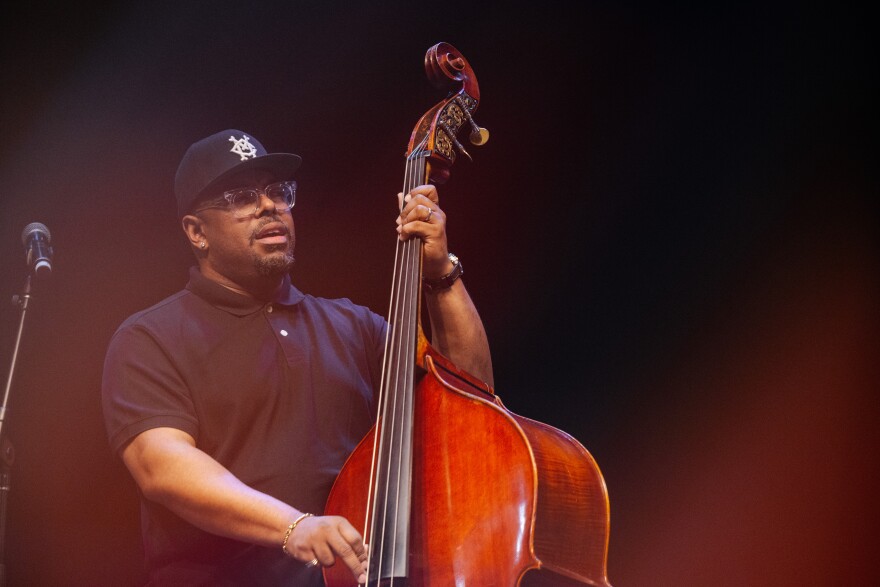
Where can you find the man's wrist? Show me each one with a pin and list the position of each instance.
(445, 282)
(290, 530)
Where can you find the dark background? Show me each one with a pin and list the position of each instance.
(670, 237)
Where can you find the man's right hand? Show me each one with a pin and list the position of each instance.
(326, 538)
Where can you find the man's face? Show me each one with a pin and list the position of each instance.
(255, 246)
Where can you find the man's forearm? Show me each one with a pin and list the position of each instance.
(457, 331)
(194, 486)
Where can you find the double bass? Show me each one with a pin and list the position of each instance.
(449, 487)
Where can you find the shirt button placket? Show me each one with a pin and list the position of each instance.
(277, 323)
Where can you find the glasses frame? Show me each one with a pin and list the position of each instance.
(230, 195)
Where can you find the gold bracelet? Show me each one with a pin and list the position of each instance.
(290, 530)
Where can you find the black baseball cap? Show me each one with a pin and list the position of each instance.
(210, 162)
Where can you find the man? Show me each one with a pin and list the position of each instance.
(235, 402)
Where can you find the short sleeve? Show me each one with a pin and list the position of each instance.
(379, 329)
(142, 388)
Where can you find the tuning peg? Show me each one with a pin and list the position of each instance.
(479, 135)
(455, 141)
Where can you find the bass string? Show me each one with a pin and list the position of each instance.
(395, 395)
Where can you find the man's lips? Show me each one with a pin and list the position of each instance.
(272, 233)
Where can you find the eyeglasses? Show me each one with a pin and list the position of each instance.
(245, 202)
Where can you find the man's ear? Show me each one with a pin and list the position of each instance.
(194, 228)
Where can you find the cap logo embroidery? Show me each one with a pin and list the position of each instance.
(243, 147)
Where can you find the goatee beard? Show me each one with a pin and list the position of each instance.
(275, 265)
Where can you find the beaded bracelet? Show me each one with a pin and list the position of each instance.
(290, 530)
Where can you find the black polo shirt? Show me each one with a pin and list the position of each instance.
(279, 393)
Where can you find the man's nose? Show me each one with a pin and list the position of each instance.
(265, 204)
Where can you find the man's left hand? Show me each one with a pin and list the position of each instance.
(422, 217)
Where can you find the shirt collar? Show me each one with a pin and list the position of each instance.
(235, 303)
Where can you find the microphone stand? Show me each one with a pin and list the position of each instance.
(7, 452)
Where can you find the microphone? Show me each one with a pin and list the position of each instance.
(36, 239)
